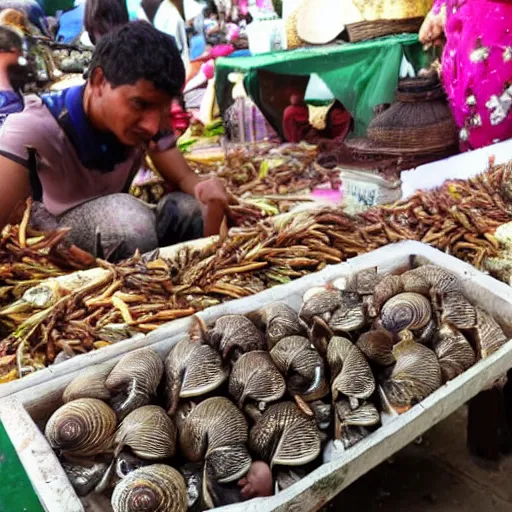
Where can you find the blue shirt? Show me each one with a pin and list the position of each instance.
(95, 149)
(10, 103)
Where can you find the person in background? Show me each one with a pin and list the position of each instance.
(76, 151)
(31, 9)
(476, 66)
(11, 100)
(102, 16)
(164, 16)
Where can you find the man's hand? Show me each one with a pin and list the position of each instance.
(211, 190)
(210, 193)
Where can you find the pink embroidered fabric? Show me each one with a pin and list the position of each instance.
(477, 68)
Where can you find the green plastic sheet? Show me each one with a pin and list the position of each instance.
(361, 75)
(16, 491)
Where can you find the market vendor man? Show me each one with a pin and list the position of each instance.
(76, 152)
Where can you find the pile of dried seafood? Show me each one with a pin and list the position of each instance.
(138, 296)
(28, 257)
(250, 401)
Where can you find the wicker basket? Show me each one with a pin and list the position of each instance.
(365, 30)
(419, 121)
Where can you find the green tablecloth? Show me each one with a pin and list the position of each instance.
(360, 75)
(16, 491)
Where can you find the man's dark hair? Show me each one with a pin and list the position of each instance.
(9, 40)
(138, 51)
(102, 16)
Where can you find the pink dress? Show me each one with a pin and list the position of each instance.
(477, 68)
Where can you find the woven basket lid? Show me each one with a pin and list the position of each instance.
(320, 21)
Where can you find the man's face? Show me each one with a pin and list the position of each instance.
(133, 113)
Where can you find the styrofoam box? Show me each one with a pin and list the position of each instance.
(28, 408)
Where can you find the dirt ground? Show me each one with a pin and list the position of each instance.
(437, 475)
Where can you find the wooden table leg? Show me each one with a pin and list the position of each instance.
(490, 423)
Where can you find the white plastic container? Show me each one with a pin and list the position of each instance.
(20, 413)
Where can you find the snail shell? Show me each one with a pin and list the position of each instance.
(429, 278)
(234, 335)
(365, 415)
(302, 366)
(453, 351)
(155, 488)
(388, 287)
(134, 380)
(321, 303)
(416, 375)
(377, 346)
(149, 432)
(489, 336)
(458, 311)
(255, 376)
(216, 423)
(366, 281)
(84, 427)
(350, 316)
(89, 384)
(192, 369)
(84, 477)
(278, 321)
(350, 370)
(406, 311)
(285, 436)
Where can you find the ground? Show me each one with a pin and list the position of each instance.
(437, 475)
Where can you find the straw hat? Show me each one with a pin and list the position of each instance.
(373, 10)
(320, 21)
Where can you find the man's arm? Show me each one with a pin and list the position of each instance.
(14, 189)
(210, 193)
(175, 170)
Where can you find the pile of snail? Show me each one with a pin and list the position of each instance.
(243, 408)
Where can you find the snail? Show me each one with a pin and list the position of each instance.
(406, 311)
(134, 380)
(216, 431)
(89, 384)
(149, 432)
(302, 366)
(388, 287)
(377, 346)
(457, 311)
(126, 462)
(416, 375)
(366, 415)
(84, 427)
(453, 351)
(84, 475)
(489, 336)
(318, 304)
(277, 321)
(363, 283)
(285, 436)
(349, 316)
(347, 420)
(231, 336)
(255, 376)
(192, 369)
(430, 279)
(350, 372)
(155, 488)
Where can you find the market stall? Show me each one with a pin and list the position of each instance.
(360, 75)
